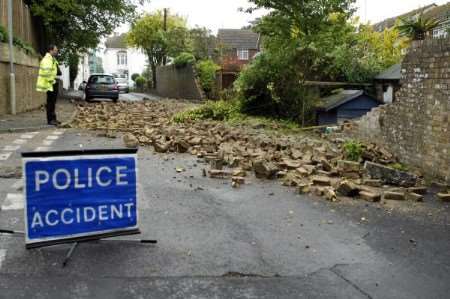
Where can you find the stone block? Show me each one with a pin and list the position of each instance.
(265, 170)
(414, 197)
(219, 174)
(389, 195)
(303, 188)
(418, 190)
(321, 181)
(130, 141)
(330, 194)
(370, 196)
(389, 175)
(348, 166)
(347, 188)
(373, 183)
(238, 180)
(326, 165)
(445, 197)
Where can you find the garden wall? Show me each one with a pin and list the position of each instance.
(26, 68)
(416, 127)
(178, 83)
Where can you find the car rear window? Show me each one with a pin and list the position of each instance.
(102, 80)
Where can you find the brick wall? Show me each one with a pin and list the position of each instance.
(27, 68)
(178, 83)
(231, 62)
(417, 127)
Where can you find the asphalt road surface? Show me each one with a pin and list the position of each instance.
(127, 97)
(259, 241)
(136, 97)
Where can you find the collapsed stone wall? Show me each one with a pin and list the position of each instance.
(416, 128)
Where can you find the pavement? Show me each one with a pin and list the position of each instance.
(259, 241)
(65, 107)
(36, 119)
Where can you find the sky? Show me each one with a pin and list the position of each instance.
(215, 14)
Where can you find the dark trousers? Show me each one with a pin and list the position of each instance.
(51, 103)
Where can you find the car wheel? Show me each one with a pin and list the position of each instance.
(115, 100)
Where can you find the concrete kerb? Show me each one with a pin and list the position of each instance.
(25, 130)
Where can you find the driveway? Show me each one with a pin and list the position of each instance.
(259, 241)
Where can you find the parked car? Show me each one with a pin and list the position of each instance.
(102, 86)
(123, 85)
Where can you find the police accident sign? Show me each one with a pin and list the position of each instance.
(79, 195)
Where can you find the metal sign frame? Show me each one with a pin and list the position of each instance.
(78, 155)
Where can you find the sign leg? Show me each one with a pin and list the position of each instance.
(12, 232)
(69, 254)
(130, 241)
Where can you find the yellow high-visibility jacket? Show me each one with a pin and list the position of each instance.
(47, 73)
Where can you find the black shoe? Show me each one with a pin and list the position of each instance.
(53, 123)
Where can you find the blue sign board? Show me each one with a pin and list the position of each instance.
(79, 195)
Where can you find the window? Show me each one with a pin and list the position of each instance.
(242, 54)
(439, 32)
(122, 58)
(100, 79)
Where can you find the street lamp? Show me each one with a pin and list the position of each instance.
(12, 77)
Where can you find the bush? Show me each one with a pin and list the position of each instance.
(140, 82)
(206, 70)
(227, 94)
(353, 150)
(399, 166)
(220, 111)
(134, 77)
(183, 60)
(3, 34)
(26, 47)
(270, 86)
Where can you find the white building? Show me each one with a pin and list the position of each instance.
(122, 61)
(83, 73)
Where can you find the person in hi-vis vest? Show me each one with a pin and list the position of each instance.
(47, 82)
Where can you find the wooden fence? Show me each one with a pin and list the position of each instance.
(24, 25)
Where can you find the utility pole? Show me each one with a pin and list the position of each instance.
(165, 29)
(12, 77)
(365, 12)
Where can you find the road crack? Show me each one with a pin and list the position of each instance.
(354, 285)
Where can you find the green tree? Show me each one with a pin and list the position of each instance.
(203, 43)
(364, 53)
(134, 76)
(417, 28)
(76, 26)
(311, 41)
(73, 62)
(140, 83)
(183, 60)
(297, 38)
(305, 17)
(149, 34)
(206, 70)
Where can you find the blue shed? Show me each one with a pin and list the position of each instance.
(344, 105)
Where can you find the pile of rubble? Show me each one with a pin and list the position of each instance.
(312, 165)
